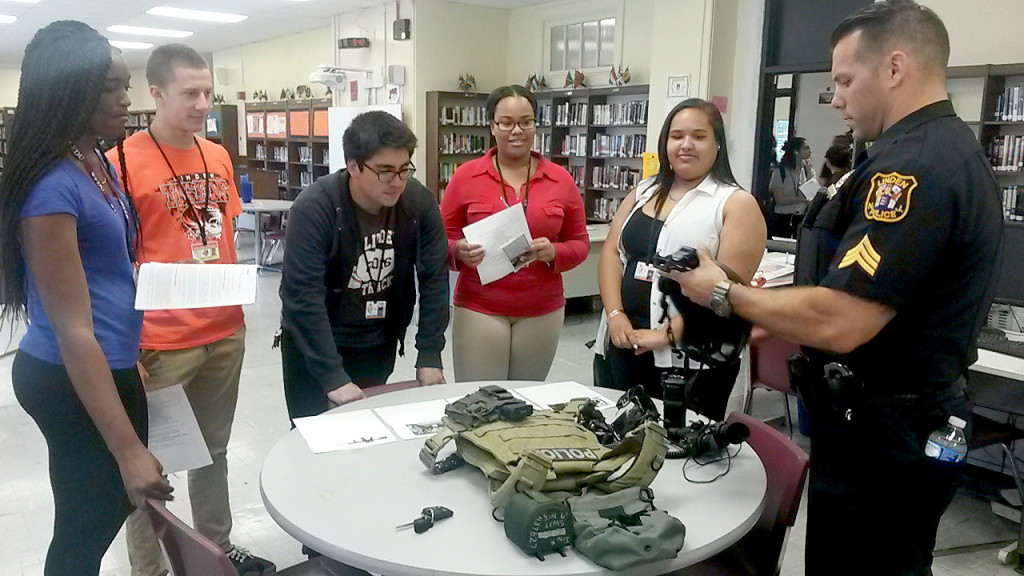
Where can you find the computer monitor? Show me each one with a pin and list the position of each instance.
(1010, 275)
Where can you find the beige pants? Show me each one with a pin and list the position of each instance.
(489, 347)
(210, 375)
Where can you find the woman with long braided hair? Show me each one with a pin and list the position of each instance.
(67, 238)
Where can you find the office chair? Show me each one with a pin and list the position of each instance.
(760, 551)
(192, 554)
(769, 369)
(390, 387)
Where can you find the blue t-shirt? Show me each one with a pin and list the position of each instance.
(103, 246)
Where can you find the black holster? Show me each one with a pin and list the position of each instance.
(825, 385)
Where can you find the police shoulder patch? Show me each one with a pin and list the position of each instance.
(863, 255)
(889, 197)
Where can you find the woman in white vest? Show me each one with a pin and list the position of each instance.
(693, 201)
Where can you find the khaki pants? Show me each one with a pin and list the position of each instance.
(210, 376)
(489, 347)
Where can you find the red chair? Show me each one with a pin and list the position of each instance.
(760, 551)
(769, 368)
(192, 554)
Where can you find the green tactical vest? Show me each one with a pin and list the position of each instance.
(550, 451)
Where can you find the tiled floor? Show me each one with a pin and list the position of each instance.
(26, 506)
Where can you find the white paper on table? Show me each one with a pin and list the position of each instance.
(561, 392)
(494, 232)
(414, 420)
(174, 435)
(810, 188)
(343, 431)
(166, 286)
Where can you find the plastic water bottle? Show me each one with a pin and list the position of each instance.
(948, 443)
(246, 191)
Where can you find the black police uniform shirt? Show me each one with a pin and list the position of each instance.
(924, 227)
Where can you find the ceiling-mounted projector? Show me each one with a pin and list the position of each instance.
(330, 76)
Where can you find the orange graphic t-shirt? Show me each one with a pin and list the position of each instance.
(176, 216)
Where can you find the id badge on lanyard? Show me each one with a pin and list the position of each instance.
(645, 272)
(376, 310)
(205, 252)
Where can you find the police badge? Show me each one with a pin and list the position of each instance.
(889, 197)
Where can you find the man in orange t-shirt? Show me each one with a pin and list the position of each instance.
(183, 188)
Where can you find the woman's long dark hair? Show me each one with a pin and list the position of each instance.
(789, 151)
(721, 169)
(63, 75)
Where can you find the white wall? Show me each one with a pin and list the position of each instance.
(745, 86)
(456, 39)
(986, 32)
(9, 78)
(818, 123)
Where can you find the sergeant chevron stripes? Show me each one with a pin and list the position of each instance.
(863, 255)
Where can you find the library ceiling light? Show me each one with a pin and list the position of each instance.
(142, 31)
(196, 14)
(125, 45)
(5, 19)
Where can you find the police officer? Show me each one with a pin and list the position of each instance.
(897, 274)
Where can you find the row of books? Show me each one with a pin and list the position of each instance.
(277, 153)
(616, 177)
(1013, 203)
(306, 155)
(544, 115)
(574, 145)
(630, 113)
(463, 144)
(542, 144)
(463, 116)
(571, 114)
(447, 170)
(578, 174)
(604, 208)
(1007, 153)
(1010, 104)
(305, 178)
(619, 145)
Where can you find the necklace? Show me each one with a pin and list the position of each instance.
(100, 183)
(504, 193)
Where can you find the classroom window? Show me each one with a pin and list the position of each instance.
(581, 45)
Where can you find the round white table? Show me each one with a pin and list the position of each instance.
(346, 505)
(258, 207)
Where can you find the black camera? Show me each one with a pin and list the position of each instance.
(683, 261)
(705, 439)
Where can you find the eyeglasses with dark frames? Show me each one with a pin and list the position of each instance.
(388, 176)
(508, 126)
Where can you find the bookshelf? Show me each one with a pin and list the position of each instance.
(290, 139)
(457, 131)
(222, 128)
(138, 120)
(6, 122)
(599, 135)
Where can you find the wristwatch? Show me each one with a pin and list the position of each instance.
(719, 298)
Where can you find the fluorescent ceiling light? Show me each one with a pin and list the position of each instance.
(125, 45)
(195, 14)
(142, 31)
(25, 1)
(5, 19)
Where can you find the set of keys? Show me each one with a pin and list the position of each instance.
(427, 518)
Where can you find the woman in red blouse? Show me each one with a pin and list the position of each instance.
(508, 329)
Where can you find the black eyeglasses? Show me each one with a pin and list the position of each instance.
(508, 126)
(388, 176)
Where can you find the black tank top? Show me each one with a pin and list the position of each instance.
(639, 241)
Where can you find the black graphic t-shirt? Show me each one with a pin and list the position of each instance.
(365, 300)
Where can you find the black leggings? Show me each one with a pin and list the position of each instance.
(90, 502)
(303, 394)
